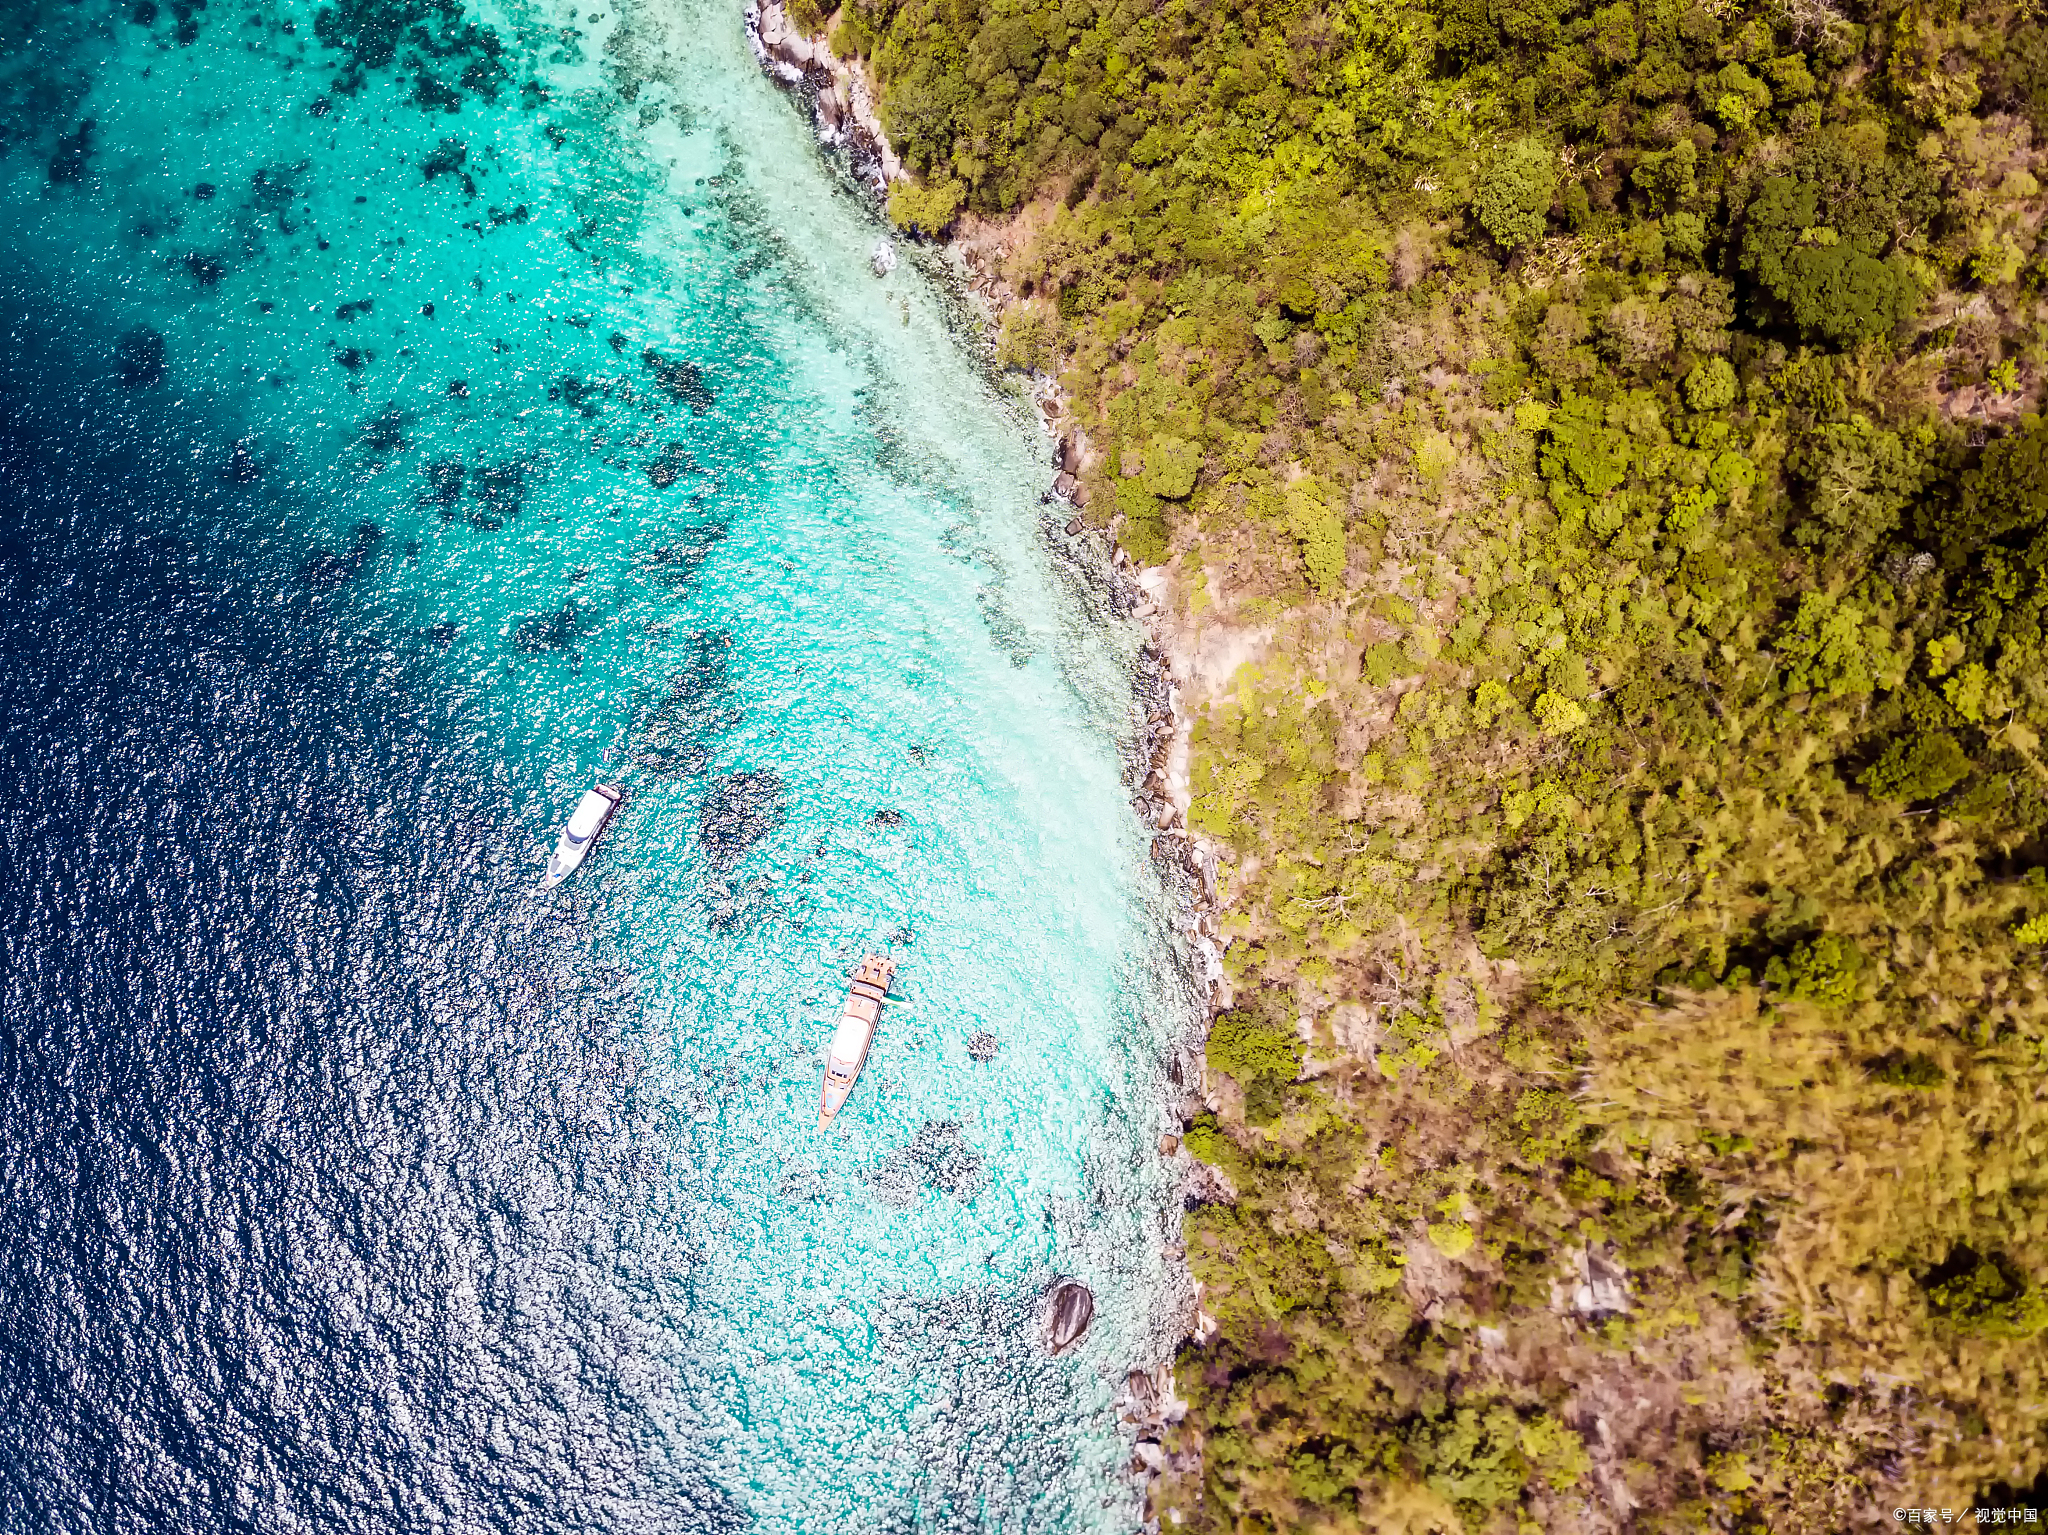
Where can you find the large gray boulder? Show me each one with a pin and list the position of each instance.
(1069, 1308)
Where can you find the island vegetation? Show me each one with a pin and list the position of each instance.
(1610, 430)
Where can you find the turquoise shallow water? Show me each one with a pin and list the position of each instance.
(514, 382)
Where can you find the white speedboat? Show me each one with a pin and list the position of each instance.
(849, 1052)
(592, 814)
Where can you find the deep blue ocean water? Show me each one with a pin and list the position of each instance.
(408, 413)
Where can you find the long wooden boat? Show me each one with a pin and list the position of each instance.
(849, 1051)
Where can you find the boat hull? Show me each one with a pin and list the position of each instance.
(561, 867)
(586, 824)
(848, 1052)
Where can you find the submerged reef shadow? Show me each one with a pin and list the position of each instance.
(990, 1442)
(677, 562)
(673, 734)
(937, 1160)
(739, 811)
(557, 629)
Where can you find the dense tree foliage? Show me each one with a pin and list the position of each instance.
(1611, 421)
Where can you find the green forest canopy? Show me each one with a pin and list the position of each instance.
(1623, 417)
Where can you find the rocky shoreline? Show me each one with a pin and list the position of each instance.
(841, 101)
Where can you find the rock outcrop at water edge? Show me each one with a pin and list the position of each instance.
(1070, 1307)
(842, 103)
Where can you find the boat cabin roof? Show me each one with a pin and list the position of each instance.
(850, 1043)
(589, 814)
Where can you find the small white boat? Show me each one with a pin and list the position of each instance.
(592, 814)
(849, 1051)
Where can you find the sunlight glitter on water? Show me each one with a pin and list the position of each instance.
(581, 406)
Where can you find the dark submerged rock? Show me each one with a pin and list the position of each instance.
(274, 188)
(328, 569)
(575, 392)
(430, 94)
(738, 812)
(385, 432)
(447, 160)
(369, 33)
(938, 1160)
(549, 631)
(982, 1047)
(485, 75)
(670, 732)
(242, 468)
(675, 462)
(205, 270)
(680, 380)
(803, 1186)
(501, 491)
(444, 481)
(74, 155)
(705, 671)
(139, 354)
(677, 563)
